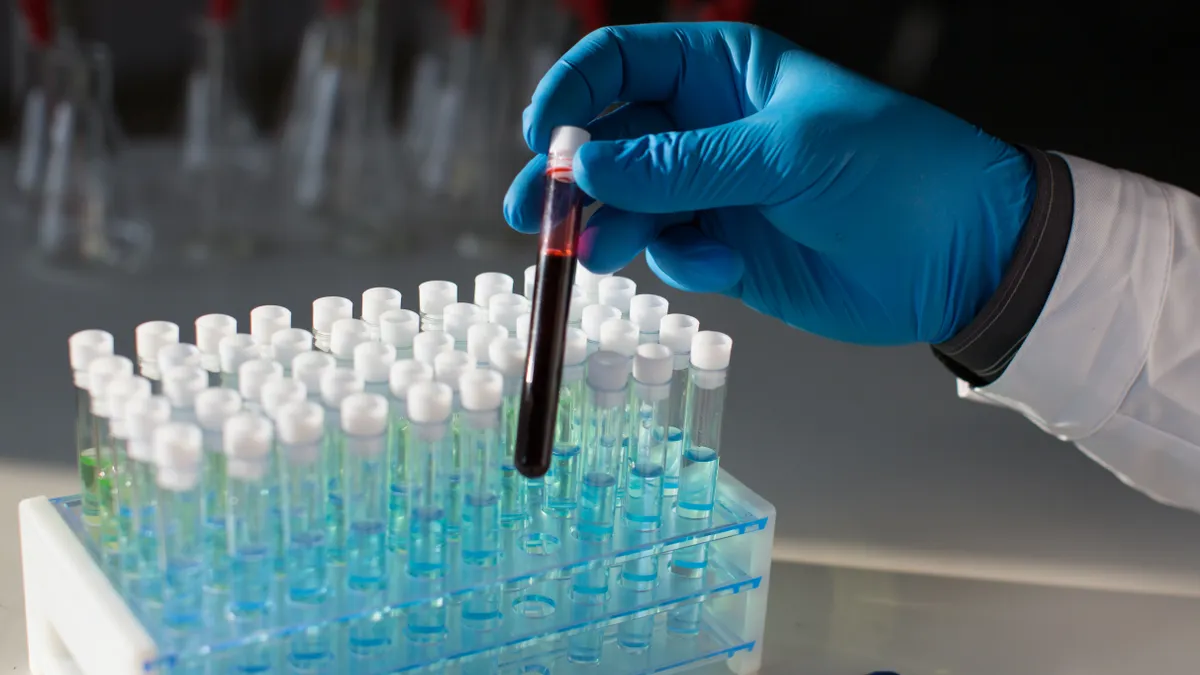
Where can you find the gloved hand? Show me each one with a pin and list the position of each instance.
(744, 165)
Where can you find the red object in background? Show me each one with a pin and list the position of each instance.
(591, 14)
(467, 15)
(337, 6)
(222, 11)
(727, 10)
(37, 18)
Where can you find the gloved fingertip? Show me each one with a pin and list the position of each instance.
(688, 260)
(523, 201)
(613, 238)
(596, 171)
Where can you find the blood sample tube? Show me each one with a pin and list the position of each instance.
(561, 225)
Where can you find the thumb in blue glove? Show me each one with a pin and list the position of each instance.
(742, 164)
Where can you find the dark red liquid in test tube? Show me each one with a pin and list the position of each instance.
(562, 218)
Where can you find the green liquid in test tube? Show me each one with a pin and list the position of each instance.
(119, 393)
(84, 348)
(99, 466)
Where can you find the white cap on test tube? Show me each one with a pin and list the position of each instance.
(247, 438)
(620, 336)
(308, 367)
(405, 374)
(676, 331)
(119, 392)
(87, 346)
(267, 320)
(524, 325)
(364, 414)
(328, 310)
(182, 384)
(347, 335)
(289, 343)
(711, 350)
(646, 311)
(458, 317)
(142, 416)
(481, 390)
(607, 375)
(300, 423)
(448, 367)
(178, 450)
(373, 361)
(480, 337)
(488, 284)
(215, 405)
(653, 364)
(210, 330)
(504, 309)
(530, 280)
(589, 282)
(398, 327)
(236, 350)
(565, 141)
(508, 357)
(253, 374)
(279, 392)
(617, 292)
(337, 384)
(101, 373)
(435, 295)
(429, 402)
(595, 316)
(575, 347)
(376, 301)
(178, 354)
(426, 346)
(150, 337)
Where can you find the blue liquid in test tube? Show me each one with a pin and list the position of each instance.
(178, 456)
(676, 332)
(403, 375)
(448, 367)
(429, 410)
(140, 568)
(507, 356)
(604, 424)
(561, 491)
(336, 385)
(248, 438)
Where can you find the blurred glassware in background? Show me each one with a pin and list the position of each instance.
(225, 163)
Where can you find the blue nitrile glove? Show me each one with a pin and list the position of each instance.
(744, 165)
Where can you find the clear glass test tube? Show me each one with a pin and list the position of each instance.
(403, 376)
(457, 319)
(252, 376)
(604, 426)
(504, 308)
(561, 489)
(429, 409)
(140, 555)
(181, 385)
(234, 350)
(85, 347)
(119, 393)
(508, 358)
(210, 330)
(481, 394)
(398, 328)
(617, 292)
(373, 363)
(364, 419)
(448, 368)
(266, 321)
(178, 458)
(248, 438)
(178, 354)
(488, 284)
(480, 338)
(102, 373)
(427, 346)
(326, 311)
(289, 343)
(149, 337)
(376, 301)
(347, 335)
(595, 316)
(214, 407)
(434, 297)
(336, 386)
(676, 332)
(646, 311)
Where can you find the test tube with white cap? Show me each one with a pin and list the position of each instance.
(98, 468)
(646, 311)
(214, 407)
(507, 356)
(504, 309)
(289, 343)
(617, 292)
(676, 332)
(248, 438)
(235, 350)
(376, 301)
(427, 345)
(481, 393)
(265, 321)
(398, 328)
(562, 481)
(140, 560)
(620, 336)
(178, 456)
(84, 348)
(429, 408)
(434, 296)
(252, 375)
(595, 316)
(178, 354)
(181, 385)
(336, 385)
(607, 387)
(149, 337)
(373, 363)
(488, 284)
(119, 393)
(448, 368)
(403, 376)
(364, 422)
(579, 302)
(307, 368)
(274, 395)
(301, 427)
(347, 335)
(590, 283)
(327, 311)
(480, 338)
(457, 319)
(210, 330)
(530, 280)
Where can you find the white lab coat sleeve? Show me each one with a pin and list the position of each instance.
(1112, 362)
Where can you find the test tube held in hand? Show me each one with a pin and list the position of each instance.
(560, 230)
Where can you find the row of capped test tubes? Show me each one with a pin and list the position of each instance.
(371, 444)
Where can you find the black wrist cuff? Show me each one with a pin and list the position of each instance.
(981, 351)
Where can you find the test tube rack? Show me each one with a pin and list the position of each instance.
(79, 623)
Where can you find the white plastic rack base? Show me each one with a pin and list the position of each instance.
(79, 623)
